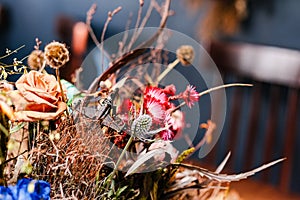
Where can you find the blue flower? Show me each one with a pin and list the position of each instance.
(26, 189)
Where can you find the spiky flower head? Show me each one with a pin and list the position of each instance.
(56, 54)
(185, 54)
(141, 126)
(36, 59)
(190, 96)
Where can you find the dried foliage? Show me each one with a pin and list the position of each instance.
(97, 146)
(69, 163)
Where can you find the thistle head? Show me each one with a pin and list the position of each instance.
(141, 126)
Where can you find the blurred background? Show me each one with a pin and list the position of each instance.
(252, 41)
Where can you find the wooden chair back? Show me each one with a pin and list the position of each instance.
(261, 122)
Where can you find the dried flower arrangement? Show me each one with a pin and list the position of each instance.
(114, 141)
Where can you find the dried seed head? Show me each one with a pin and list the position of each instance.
(141, 126)
(185, 54)
(105, 84)
(56, 54)
(36, 59)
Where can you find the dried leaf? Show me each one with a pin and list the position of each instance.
(7, 110)
(120, 83)
(143, 159)
(221, 166)
(228, 178)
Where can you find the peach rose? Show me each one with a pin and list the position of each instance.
(41, 91)
(38, 98)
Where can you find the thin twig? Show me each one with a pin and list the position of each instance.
(224, 86)
(125, 36)
(12, 52)
(109, 18)
(89, 17)
(135, 36)
(167, 70)
(127, 57)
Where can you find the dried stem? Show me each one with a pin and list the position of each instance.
(127, 57)
(109, 18)
(12, 52)
(167, 70)
(61, 88)
(214, 89)
(89, 17)
(224, 86)
(135, 36)
(124, 39)
(111, 176)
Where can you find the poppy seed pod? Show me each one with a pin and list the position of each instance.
(185, 54)
(36, 59)
(56, 54)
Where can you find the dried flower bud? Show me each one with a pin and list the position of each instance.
(185, 54)
(56, 54)
(36, 59)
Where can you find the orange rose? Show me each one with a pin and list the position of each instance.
(41, 91)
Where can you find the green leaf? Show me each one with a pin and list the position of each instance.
(17, 127)
(120, 190)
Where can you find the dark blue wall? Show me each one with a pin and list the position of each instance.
(272, 22)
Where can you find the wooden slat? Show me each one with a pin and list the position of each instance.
(212, 157)
(289, 142)
(252, 133)
(272, 121)
(234, 124)
(264, 64)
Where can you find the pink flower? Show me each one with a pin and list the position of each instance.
(190, 96)
(125, 109)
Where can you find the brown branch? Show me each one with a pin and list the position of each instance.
(127, 57)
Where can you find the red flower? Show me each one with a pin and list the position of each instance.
(156, 103)
(167, 134)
